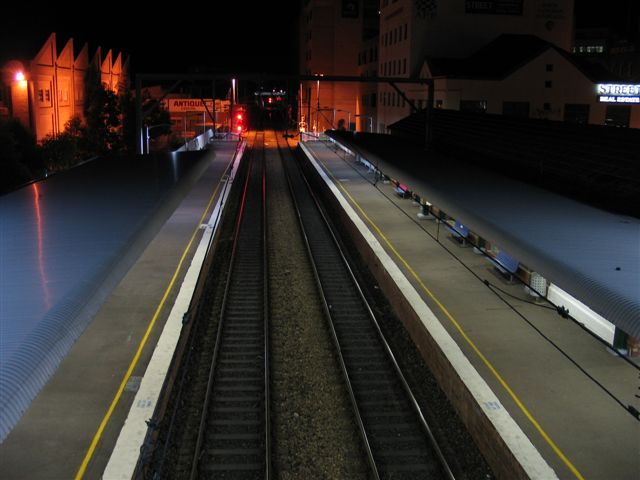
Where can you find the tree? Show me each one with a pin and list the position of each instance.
(103, 116)
(158, 116)
(20, 161)
(66, 149)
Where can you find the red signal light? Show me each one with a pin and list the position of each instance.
(270, 100)
(239, 128)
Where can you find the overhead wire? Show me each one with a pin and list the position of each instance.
(562, 311)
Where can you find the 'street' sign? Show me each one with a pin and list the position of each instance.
(618, 93)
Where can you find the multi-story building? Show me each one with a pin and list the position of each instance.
(48, 90)
(331, 35)
(501, 56)
(414, 30)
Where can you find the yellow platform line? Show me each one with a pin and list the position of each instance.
(458, 327)
(136, 358)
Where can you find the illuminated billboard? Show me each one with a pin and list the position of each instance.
(618, 93)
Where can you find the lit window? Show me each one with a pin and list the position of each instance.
(40, 95)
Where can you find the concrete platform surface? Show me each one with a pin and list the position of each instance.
(538, 364)
(52, 439)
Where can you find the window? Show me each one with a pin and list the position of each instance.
(404, 65)
(478, 106)
(40, 95)
(439, 103)
(549, 67)
(576, 113)
(516, 109)
(373, 99)
(405, 31)
(617, 115)
(548, 84)
(546, 106)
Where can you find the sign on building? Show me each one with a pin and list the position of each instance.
(618, 93)
(494, 7)
(175, 105)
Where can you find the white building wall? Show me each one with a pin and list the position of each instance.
(569, 86)
(454, 29)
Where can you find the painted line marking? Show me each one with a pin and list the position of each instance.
(475, 348)
(124, 456)
(441, 306)
(134, 361)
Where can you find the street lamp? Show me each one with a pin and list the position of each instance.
(318, 99)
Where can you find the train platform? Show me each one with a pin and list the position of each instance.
(69, 430)
(558, 396)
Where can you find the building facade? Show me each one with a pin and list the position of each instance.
(413, 30)
(508, 57)
(50, 89)
(331, 35)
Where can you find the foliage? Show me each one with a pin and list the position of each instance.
(67, 149)
(19, 156)
(103, 116)
(158, 115)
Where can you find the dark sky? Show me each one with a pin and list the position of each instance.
(176, 39)
(187, 37)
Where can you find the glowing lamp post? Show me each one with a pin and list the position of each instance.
(20, 78)
(318, 101)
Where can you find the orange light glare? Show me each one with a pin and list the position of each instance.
(19, 76)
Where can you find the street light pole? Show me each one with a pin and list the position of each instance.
(318, 101)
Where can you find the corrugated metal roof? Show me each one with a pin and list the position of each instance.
(592, 254)
(64, 243)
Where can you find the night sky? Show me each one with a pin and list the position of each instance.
(176, 39)
(189, 38)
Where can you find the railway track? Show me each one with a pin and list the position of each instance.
(398, 441)
(234, 435)
(228, 402)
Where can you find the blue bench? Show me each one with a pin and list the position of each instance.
(459, 232)
(402, 191)
(506, 264)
